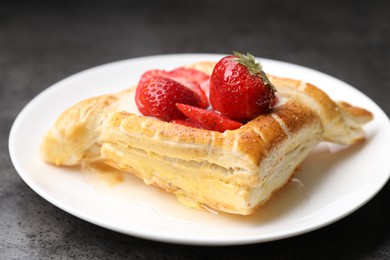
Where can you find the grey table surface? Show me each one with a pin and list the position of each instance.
(44, 42)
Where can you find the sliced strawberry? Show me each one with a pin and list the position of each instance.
(151, 73)
(208, 119)
(196, 75)
(193, 85)
(157, 96)
(189, 78)
(187, 122)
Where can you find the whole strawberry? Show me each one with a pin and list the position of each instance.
(157, 96)
(239, 88)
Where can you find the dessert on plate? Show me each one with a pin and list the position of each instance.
(222, 136)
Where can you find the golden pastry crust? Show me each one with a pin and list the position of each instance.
(235, 171)
(77, 130)
(341, 121)
(227, 171)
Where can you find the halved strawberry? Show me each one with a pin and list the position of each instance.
(157, 96)
(190, 78)
(196, 75)
(208, 119)
(152, 73)
(193, 85)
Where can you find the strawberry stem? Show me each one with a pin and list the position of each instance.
(253, 67)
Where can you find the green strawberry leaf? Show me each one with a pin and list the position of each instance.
(254, 67)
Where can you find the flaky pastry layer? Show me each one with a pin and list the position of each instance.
(236, 171)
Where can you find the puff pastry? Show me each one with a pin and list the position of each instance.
(235, 171)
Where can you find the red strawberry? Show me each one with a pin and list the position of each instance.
(187, 122)
(196, 75)
(239, 88)
(190, 78)
(207, 119)
(193, 85)
(157, 96)
(151, 73)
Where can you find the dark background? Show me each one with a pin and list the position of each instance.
(43, 42)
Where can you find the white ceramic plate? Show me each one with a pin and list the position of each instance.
(334, 182)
